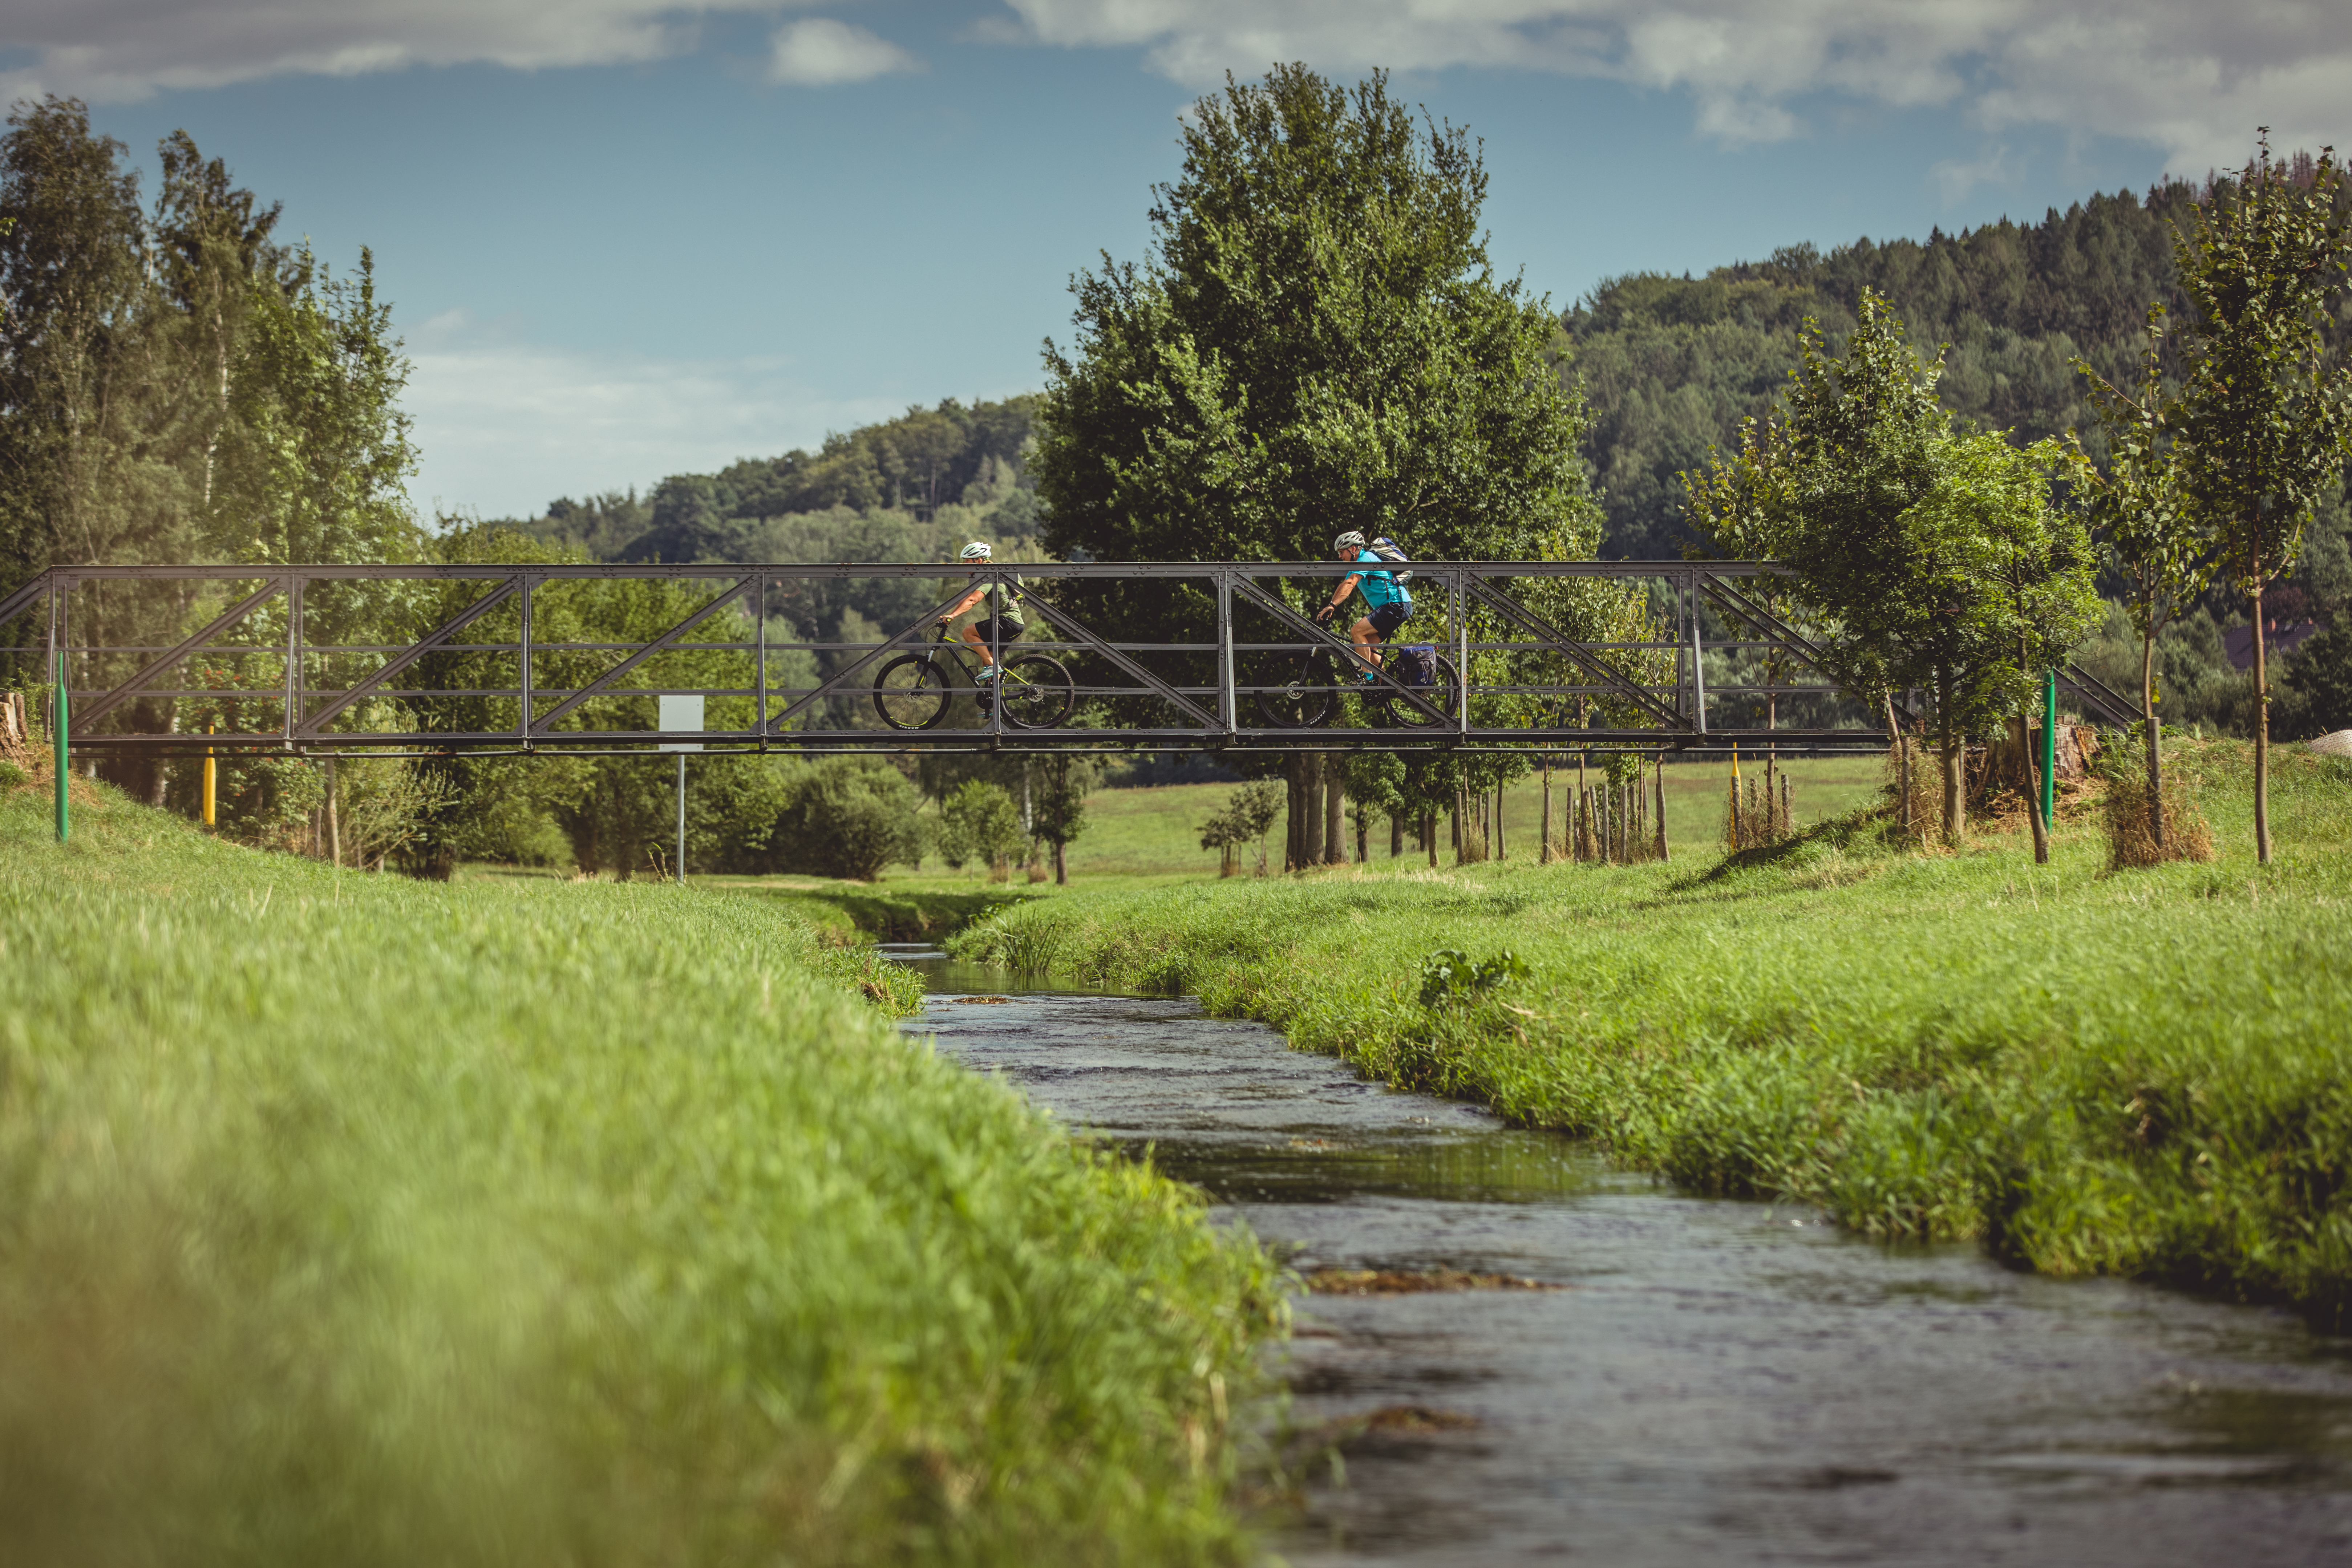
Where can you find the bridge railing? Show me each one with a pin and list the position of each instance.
(569, 658)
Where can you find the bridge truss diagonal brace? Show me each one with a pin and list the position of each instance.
(314, 723)
(1282, 611)
(25, 597)
(99, 708)
(1545, 632)
(1732, 601)
(1079, 631)
(840, 677)
(538, 727)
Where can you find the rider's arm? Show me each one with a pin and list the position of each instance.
(1347, 586)
(966, 603)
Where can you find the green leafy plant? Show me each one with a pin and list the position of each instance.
(1449, 976)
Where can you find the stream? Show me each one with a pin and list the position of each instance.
(1695, 1381)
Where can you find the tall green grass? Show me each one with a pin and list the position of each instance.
(347, 1219)
(2147, 1073)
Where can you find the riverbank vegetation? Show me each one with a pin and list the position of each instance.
(2134, 1073)
(362, 1219)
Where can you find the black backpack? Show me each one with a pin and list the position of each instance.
(1416, 664)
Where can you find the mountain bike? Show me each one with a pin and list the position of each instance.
(1297, 689)
(913, 691)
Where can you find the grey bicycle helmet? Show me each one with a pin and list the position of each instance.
(978, 550)
(1351, 540)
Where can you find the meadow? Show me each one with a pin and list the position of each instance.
(2145, 1073)
(349, 1218)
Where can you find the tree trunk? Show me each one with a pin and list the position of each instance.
(334, 820)
(1363, 840)
(2024, 737)
(2147, 726)
(1662, 852)
(1543, 855)
(2262, 722)
(1294, 817)
(1429, 832)
(1947, 736)
(1460, 851)
(1310, 837)
(1500, 852)
(1335, 812)
(1396, 835)
(1061, 863)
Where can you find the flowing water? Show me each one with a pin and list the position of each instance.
(1709, 1382)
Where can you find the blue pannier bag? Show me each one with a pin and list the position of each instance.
(1416, 664)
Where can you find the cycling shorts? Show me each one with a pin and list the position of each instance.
(986, 631)
(1387, 618)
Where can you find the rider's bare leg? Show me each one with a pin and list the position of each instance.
(1365, 640)
(970, 635)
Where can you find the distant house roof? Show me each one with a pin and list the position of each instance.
(2237, 642)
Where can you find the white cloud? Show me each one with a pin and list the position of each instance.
(507, 426)
(1957, 178)
(2189, 76)
(115, 50)
(821, 52)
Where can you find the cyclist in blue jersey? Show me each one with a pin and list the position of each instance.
(1387, 603)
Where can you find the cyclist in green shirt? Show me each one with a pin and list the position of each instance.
(1003, 621)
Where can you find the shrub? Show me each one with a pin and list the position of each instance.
(847, 817)
(979, 822)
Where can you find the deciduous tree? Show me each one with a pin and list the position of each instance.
(2266, 420)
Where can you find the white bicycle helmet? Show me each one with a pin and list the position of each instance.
(978, 550)
(1351, 540)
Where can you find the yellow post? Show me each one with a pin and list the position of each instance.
(210, 781)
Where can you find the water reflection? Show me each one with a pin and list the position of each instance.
(1723, 1382)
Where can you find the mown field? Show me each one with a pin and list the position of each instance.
(350, 1219)
(2147, 1073)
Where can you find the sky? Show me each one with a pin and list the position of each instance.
(626, 239)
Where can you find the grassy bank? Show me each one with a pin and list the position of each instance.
(350, 1219)
(2147, 1073)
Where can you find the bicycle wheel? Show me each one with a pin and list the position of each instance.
(1294, 690)
(1036, 691)
(911, 692)
(1441, 693)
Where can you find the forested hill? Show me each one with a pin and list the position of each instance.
(878, 493)
(1670, 365)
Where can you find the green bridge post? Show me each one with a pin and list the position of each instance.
(2049, 750)
(59, 722)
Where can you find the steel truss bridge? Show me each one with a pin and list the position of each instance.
(520, 658)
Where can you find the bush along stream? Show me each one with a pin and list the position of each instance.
(345, 1217)
(2142, 1073)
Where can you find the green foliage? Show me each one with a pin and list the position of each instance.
(2264, 419)
(1244, 819)
(1448, 976)
(180, 387)
(1315, 341)
(356, 1219)
(979, 822)
(1928, 559)
(2318, 696)
(2084, 1073)
(1058, 802)
(846, 816)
